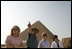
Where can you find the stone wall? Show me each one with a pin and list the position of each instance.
(66, 42)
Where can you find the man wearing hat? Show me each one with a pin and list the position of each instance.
(32, 41)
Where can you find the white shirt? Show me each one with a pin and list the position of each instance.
(54, 45)
(44, 44)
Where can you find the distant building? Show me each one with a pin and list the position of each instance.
(67, 42)
(3, 46)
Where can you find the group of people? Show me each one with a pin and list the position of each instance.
(14, 41)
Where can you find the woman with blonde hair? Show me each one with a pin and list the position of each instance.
(13, 40)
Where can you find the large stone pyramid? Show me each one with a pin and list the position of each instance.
(42, 28)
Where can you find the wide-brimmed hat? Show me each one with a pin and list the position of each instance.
(37, 30)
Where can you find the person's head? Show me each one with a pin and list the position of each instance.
(15, 31)
(44, 36)
(34, 30)
(55, 38)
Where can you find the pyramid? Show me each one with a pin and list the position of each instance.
(42, 29)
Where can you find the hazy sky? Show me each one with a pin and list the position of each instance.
(55, 15)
